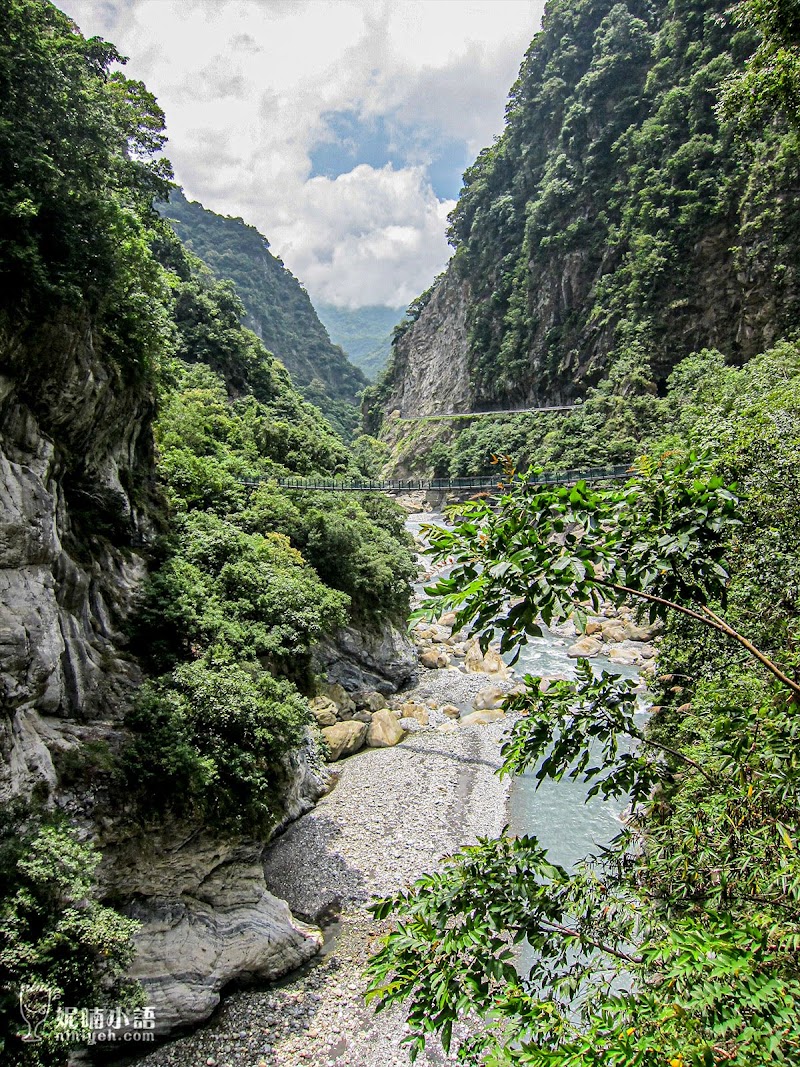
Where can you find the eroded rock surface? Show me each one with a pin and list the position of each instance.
(381, 660)
(76, 493)
(206, 918)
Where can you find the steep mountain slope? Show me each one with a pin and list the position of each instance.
(617, 224)
(364, 333)
(158, 614)
(278, 308)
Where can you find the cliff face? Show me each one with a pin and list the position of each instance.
(618, 218)
(76, 467)
(206, 916)
(430, 372)
(278, 308)
(75, 464)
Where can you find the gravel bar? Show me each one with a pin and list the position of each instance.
(392, 816)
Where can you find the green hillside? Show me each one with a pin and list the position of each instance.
(622, 221)
(364, 333)
(277, 307)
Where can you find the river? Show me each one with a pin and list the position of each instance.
(568, 825)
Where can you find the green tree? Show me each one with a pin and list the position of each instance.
(771, 79)
(76, 174)
(677, 945)
(56, 939)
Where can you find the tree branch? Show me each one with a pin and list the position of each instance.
(678, 755)
(708, 618)
(556, 928)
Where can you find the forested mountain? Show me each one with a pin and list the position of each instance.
(364, 333)
(636, 227)
(621, 221)
(277, 307)
(157, 611)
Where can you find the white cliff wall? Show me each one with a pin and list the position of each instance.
(76, 470)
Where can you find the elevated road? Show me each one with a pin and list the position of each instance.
(484, 414)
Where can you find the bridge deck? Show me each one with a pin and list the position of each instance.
(340, 485)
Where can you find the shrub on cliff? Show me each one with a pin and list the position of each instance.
(209, 740)
(58, 945)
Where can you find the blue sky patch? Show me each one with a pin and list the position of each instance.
(353, 140)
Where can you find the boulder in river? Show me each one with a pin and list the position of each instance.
(641, 633)
(324, 711)
(489, 663)
(587, 646)
(493, 664)
(625, 654)
(345, 738)
(490, 697)
(613, 630)
(412, 710)
(434, 659)
(384, 731)
(482, 718)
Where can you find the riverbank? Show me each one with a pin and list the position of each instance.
(393, 815)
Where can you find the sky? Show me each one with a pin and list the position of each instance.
(339, 128)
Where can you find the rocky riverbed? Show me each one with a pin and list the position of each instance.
(424, 786)
(392, 816)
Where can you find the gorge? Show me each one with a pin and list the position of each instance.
(222, 730)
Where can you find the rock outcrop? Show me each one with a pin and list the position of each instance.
(76, 468)
(431, 366)
(206, 917)
(75, 464)
(381, 660)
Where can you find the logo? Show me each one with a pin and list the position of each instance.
(34, 1007)
(82, 1026)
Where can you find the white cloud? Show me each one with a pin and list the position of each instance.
(367, 237)
(245, 85)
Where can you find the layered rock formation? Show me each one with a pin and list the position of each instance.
(75, 497)
(75, 463)
(207, 918)
(382, 659)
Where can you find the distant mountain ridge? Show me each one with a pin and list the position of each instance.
(278, 308)
(364, 333)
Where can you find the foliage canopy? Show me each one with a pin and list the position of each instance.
(677, 944)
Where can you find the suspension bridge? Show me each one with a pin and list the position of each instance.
(620, 472)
